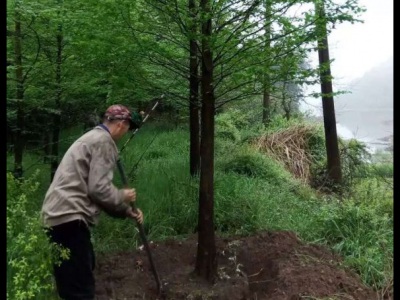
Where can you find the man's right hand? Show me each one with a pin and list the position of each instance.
(129, 195)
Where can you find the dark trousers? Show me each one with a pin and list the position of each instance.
(74, 277)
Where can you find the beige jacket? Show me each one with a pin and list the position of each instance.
(82, 185)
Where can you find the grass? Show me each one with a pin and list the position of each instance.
(252, 192)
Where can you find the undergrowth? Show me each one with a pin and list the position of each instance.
(252, 192)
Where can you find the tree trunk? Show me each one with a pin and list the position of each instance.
(46, 146)
(206, 260)
(194, 96)
(266, 102)
(19, 133)
(285, 101)
(266, 83)
(57, 116)
(328, 107)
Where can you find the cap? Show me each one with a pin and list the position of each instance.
(121, 112)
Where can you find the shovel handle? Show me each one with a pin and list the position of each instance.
(141, 230)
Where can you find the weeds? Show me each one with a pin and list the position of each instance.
(252, 192)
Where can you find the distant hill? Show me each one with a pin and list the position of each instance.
(368, 111)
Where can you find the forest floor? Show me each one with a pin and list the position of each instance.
(267, 265)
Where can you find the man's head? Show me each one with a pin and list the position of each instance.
(118, 119)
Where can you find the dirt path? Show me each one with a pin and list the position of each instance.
(269, 265)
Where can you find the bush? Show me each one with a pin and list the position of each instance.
(316, 146)
(29, 254)
(384, 170)
(355, 157)
(254, 164)
(279, 122)
(226, 129)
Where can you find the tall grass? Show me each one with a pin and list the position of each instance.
(361, 230)
(252, 192)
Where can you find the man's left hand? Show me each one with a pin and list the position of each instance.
(137, 215)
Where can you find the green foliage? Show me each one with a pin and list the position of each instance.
(359, 231)
(235, 208)
(239, 122)
(254, 164)
(354, 159)
(374, 193)
(155, 154)
(29, 254)
(384, 170)
(381, 165)
(245, 205)
(166, 193)
(316, 146)
(238, 118)
(226, 127)
(252, 192)
(278, 122)
(169, 196)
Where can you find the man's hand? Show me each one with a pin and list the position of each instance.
(137, 215)
(129, 195)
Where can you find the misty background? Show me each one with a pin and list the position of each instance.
(365, 112)
(362, 66)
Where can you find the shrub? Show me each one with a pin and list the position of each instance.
(226, 129)
(279, 122)
(254, 164)
(384, 170)
(29, 254)
(355, 158)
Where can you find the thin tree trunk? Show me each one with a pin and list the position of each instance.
(285, 105)
(194, 96)
(19, 133)
(266, 83)
(328, 107)
(206, 260)
(57, 116)
(46, 147)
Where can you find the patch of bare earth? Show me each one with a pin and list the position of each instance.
(268, 265)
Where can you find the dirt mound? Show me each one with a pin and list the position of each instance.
(269, 265)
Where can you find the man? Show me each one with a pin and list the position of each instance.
(81, 188)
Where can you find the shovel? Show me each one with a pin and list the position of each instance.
(141, 232)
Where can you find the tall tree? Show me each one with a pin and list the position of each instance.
(331, 140)
(25, 49)
(231, 49)
(206, 260)
(267, 50)
(19, 140)
(193, 92)
(57, 117)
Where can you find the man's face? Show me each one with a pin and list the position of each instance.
(122, 128)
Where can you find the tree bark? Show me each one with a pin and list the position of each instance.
(194, 96)
(19, 133)
(328, 107)
(206, 261)
(266, 83)
(57, 116)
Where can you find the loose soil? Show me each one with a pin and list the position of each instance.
(268, 265)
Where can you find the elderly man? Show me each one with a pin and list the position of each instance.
(81, 188)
